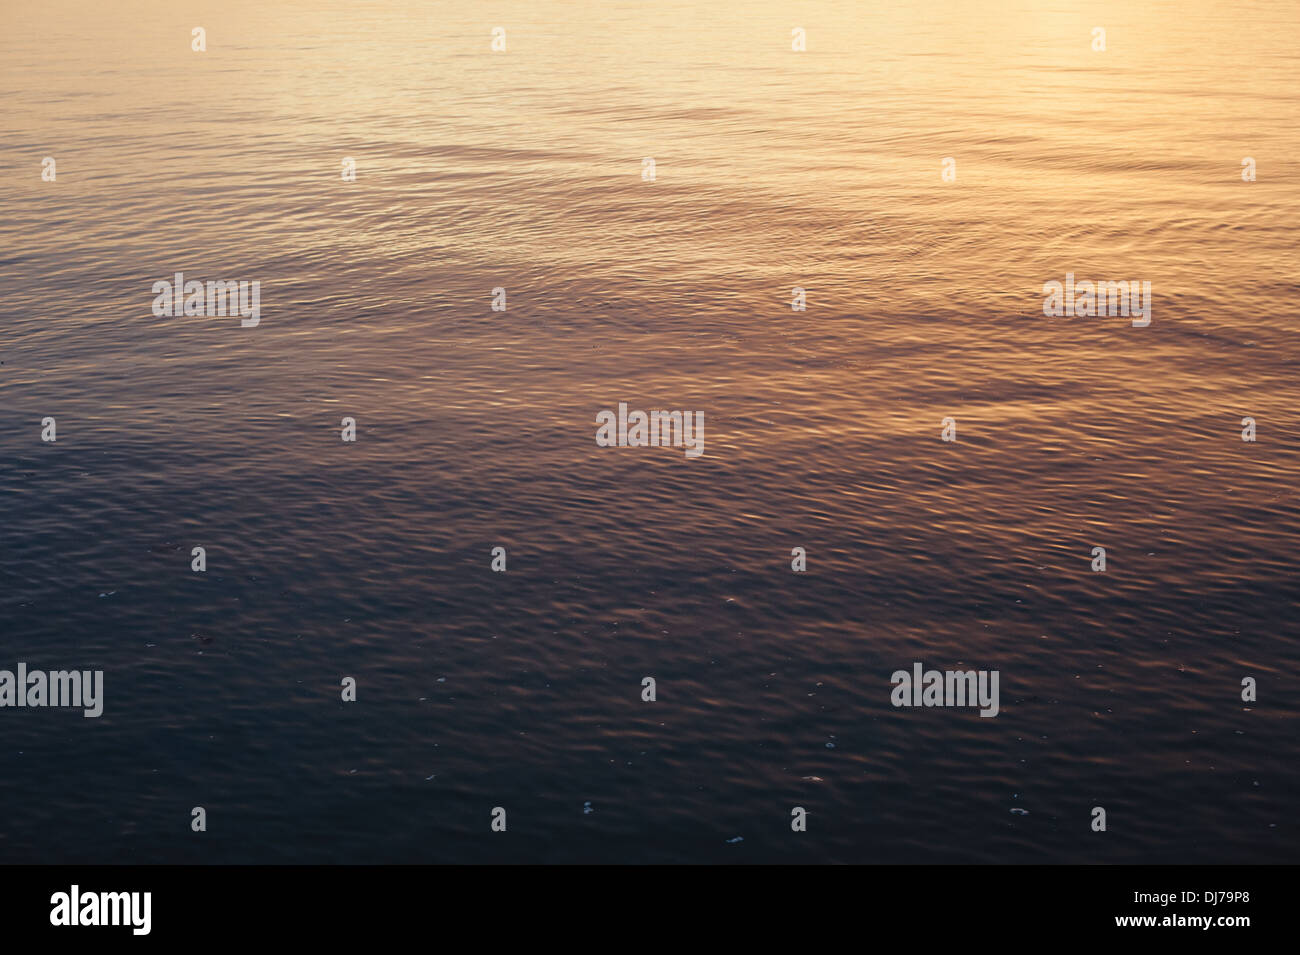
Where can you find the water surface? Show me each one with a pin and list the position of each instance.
(774, 169)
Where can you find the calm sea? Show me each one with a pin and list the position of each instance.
(774, 169)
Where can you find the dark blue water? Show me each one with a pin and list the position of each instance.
(476, 428)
